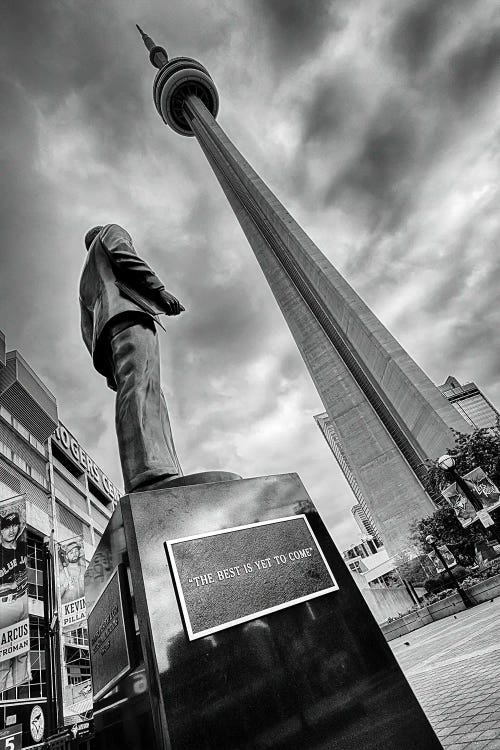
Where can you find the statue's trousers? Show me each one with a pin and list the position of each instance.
(145, 442)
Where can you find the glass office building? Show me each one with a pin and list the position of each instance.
(470, 402)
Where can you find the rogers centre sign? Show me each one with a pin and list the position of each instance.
(70, 445)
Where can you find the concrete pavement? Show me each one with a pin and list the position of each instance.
(453, 666)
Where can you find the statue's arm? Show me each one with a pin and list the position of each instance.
(85, 323)
(118, 245)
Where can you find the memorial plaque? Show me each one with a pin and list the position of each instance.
(231, 576)
(111, 634)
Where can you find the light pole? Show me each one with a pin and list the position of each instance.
(431, 540)
(52, 646)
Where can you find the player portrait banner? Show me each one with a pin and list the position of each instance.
(14, 621)
(481, 487)
(464, 510)
(447, 556)
(71, 568)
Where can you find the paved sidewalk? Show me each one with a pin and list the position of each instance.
(453, 666)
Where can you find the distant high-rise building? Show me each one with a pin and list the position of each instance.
(470, 402)
(362, 549)
(366, 526)
(362, 516)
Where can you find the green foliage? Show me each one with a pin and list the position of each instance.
(471, 581)
(471, 578)
(438, 595)
(443, 580)
(491, 568)
(414, 570)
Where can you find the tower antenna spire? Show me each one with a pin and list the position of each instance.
(157, 55)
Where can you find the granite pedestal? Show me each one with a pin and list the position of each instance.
(222, 617)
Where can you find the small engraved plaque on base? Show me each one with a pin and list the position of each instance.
(111, 634)
(227, 577)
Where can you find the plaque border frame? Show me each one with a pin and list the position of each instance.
(246, 618)
(127, 618)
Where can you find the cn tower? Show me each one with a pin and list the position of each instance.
(389, 416)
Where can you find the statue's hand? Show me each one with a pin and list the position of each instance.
(170, 303)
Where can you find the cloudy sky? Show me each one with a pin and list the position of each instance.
(377, 125)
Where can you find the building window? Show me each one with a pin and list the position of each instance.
(20, 429)
(6, 451)
(5, 414)
(74, 470)
(77, 665)
(38, 477)
(38, 445)
(20, 462)
(35, 552)
(37, 686)
(77, 637)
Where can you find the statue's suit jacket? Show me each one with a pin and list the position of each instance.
(115, 285)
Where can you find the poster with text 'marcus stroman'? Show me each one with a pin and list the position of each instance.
(14, 622)
(228, 577)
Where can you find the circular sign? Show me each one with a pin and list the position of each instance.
(37, 723)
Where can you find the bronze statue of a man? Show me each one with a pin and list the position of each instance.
(120, 299)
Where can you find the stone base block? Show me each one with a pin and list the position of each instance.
(222, 617)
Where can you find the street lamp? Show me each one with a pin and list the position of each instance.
(431, 540)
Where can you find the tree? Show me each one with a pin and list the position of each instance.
(480, 448)
(413, 569)
(444, 525)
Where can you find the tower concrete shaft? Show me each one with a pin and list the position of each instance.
(389, 415)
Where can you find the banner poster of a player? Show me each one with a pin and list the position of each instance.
(483, 488)
(71, 568)
(14, 621)
(464, 510)
(447, 556)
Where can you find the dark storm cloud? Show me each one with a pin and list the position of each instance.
(379, 169)
(63, 50)
(56, 45)
(333, 103)
(231, 316)
(468, 65)
(471, 68)
(291, 368)
(296, 28)
(26, 211)
(391, 147)
(418, 31)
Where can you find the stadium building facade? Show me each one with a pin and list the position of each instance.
(67, 496)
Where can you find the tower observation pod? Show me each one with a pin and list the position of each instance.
(178, 81)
